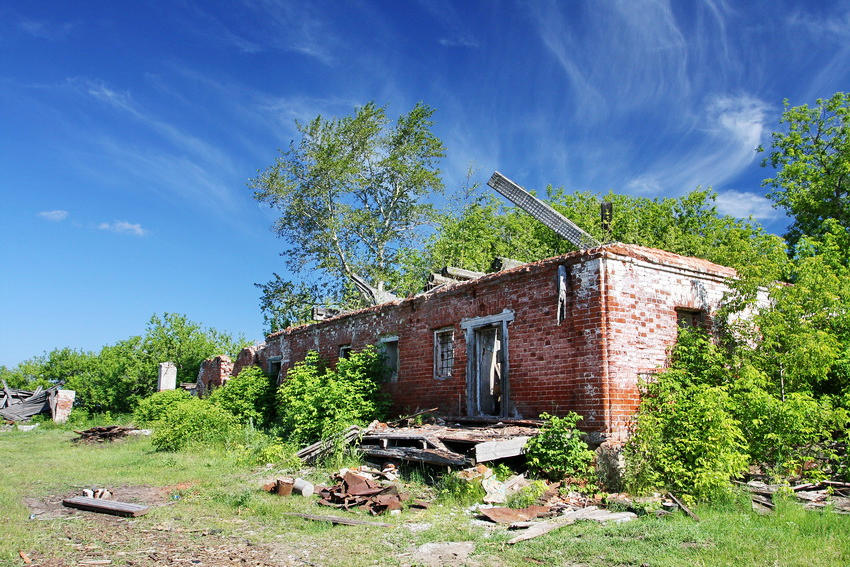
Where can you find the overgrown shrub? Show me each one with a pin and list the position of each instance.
(315, 401)
(559, 451)
(787, 437)
(685, 440)
(193, 421)
(153, 407)
(249, 396)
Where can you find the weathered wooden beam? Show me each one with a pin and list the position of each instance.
(106, 506)
(500, 263)
(338, 520)
(460, 273)
(492, 450)
(428, 456)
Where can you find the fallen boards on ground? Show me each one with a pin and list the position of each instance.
(106, 506)
(20, 405)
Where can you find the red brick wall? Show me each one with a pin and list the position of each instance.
(589, 363)
(644, 289)
(553, 368)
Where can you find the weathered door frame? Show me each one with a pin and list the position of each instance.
(473, 406)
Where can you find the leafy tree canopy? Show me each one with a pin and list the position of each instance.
(689, 225)
(812, 157)
(351, 193)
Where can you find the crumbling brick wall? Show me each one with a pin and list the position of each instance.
(620, 321)
(213, 373)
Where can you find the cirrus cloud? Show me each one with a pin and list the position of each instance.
(123, 227)
(54, 216)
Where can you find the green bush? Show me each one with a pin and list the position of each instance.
(685, 440)
(315, 401)
(153, 407)
(787, 437)
(193, 421)
(249, 396)
(559, 451)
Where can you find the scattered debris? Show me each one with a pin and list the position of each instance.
(102, 493)
(496, 491)
(813, 495)
(26, 427)
(106, 506)
(287, 485)
(321, 448)
(20, 405)
(361, 489)
(26, 558)
(536, 529)
(512, 515)
(441, 444)
(103, 433)
(338, 520)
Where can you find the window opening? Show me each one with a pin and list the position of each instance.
(444, 354)
(344, 351)
(274, 366)
(692, 318)
(389, 348)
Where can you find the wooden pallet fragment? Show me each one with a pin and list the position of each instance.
(106, 506)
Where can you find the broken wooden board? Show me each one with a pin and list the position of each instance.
(338, 520)
(106, 506)
(493, 450)
(536, 529)
(428, 456)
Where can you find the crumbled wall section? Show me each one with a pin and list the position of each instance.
(213, 373)
(247, 357)
(620, 322)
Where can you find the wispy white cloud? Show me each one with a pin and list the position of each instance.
(54, 216)
(731, 126)
(299, 27)
(743, 204)
(45, 30)
(457, 42)
(123, 227)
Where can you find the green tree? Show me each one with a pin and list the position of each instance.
(689, 225)
(812, 157)
(351, 194)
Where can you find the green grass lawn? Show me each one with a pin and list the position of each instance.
(209, 509)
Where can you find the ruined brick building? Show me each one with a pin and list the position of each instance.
(575, 332)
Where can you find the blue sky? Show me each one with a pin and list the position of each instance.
(128, 131)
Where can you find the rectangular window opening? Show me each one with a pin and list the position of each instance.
(389, 348)
(692, 318)
(444, 354)
(274, 365)
(344, 351)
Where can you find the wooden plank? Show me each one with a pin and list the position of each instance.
(460, 273)
(106, 506)
(429, 456)
(338, 520)
(684, 508)
(540, 528)
(405, 418)
(492, 450)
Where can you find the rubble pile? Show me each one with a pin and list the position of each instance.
(368, 489)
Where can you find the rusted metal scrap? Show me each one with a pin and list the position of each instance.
(354, 490)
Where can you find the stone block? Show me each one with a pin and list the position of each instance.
(63, 406)
(167, 376)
